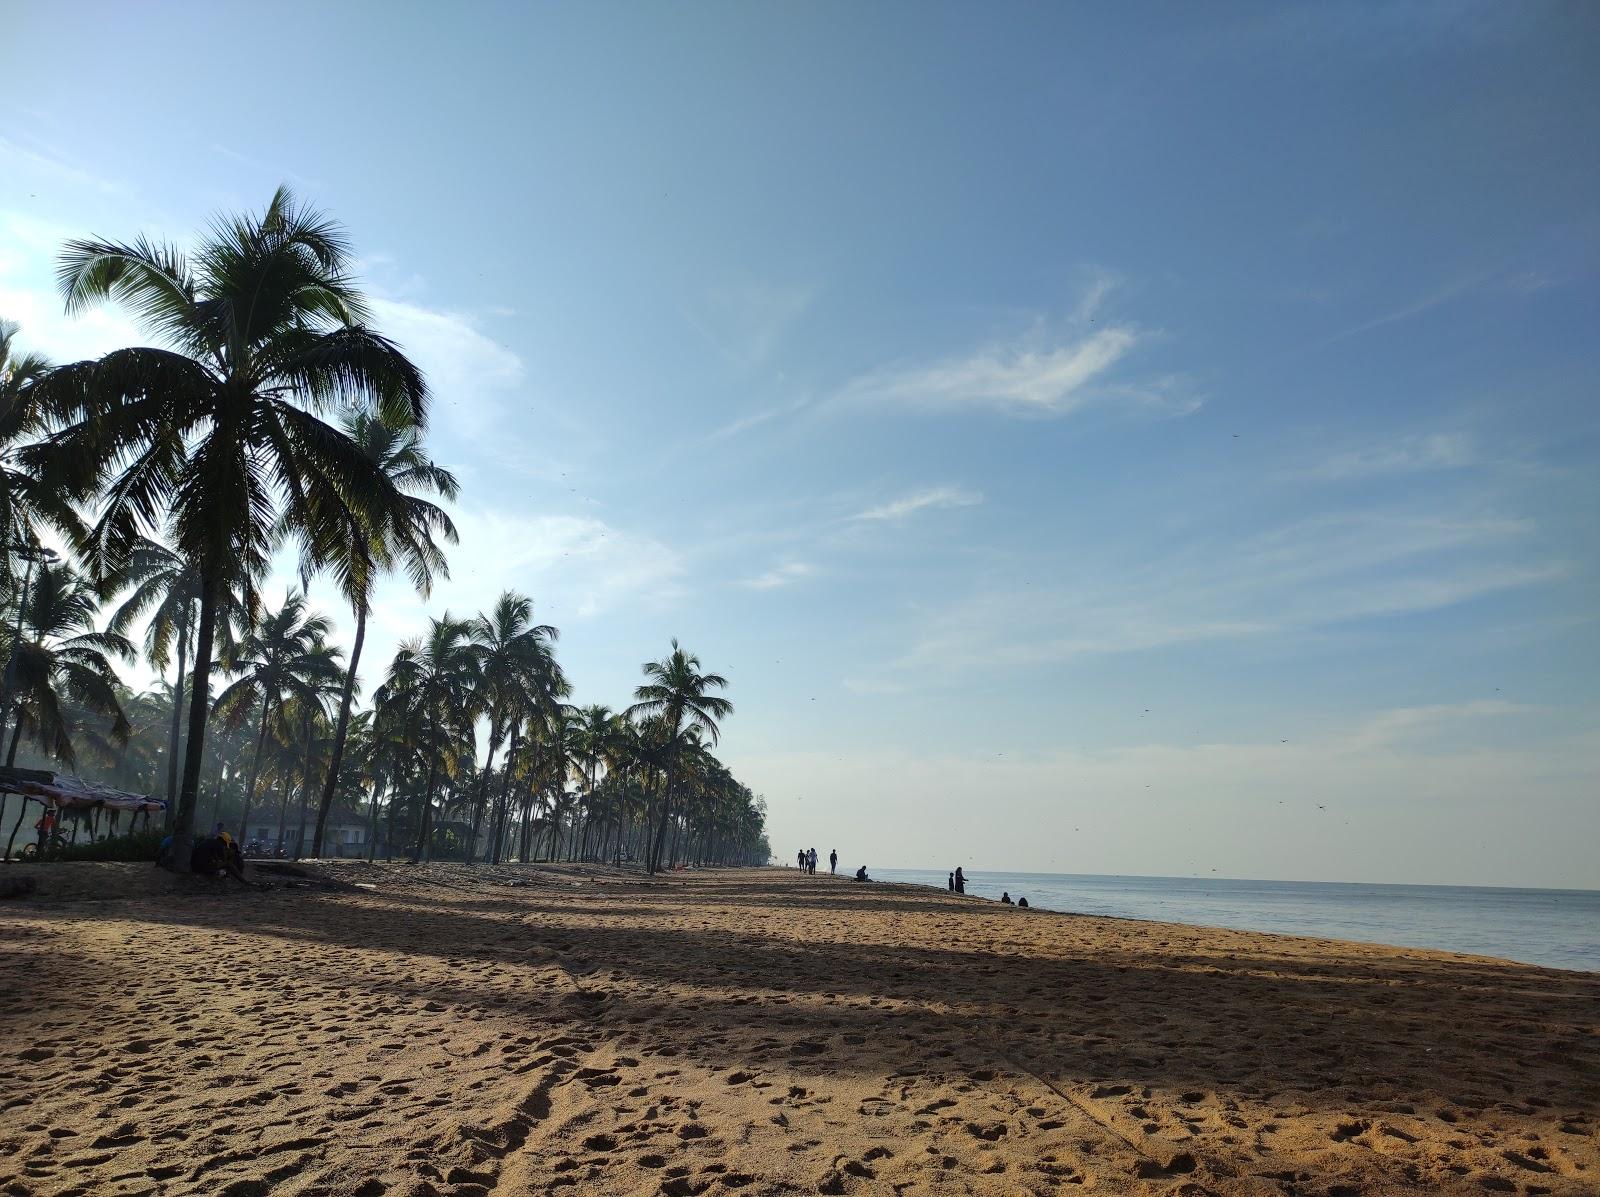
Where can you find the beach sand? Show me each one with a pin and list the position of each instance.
(758, 1033)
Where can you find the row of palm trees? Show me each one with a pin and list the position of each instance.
(274, 416)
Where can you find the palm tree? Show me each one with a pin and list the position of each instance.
(281, 657)
(433, 681)
(166, 588)
(404, 536)
(680, 697)
(518, 671)
(596, 731)
(59, 662)
(220, 432)
(25, 501)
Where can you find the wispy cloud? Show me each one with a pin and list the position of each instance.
(1013, 378)
(936, 497)
(746, 320)
(1438, 297)
(782, 575)
(757, 418)
(1402, 455)
(1055, 367)
(18, 159)
(1302, 577)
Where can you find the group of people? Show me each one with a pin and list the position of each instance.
(212, 854)
(958, 885)
(806, 858)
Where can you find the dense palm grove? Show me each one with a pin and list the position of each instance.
(143, 497)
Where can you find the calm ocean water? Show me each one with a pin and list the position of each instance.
(1555, 927)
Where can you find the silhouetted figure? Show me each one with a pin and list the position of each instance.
(861, 874)
(1005, 897)
(833, 860)
(961, 881)
(952, 883)
(1022, 903)
(800, 861)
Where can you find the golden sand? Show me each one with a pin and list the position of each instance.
(754, 1033)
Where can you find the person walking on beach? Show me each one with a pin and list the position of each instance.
(833, 860)
(813, 858)
(800, 861)
(961, 881)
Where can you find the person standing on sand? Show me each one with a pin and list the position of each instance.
(952, 883)
(800, 861)
(813, 858)
(961, 881)
(833, 860)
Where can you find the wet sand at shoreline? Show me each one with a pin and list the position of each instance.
(754, 1032)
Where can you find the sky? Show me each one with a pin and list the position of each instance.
(1138, 439)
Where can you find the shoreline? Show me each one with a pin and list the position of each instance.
(454, 1032)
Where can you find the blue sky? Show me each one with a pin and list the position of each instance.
(1137, 439)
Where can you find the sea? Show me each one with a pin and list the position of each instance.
(1558, 928)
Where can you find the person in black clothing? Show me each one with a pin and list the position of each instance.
(952, 883)
(961, 881)
(1022, 903)
(833, 860)
(861, 874)
(1005, 897)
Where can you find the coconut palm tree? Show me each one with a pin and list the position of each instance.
(679, 696)
(517, 672)
(379, 539)
(433, 683)
(219, 430)
(283, 656)
(59, 661)
(26, 503)
(166, 589)
(596, 730)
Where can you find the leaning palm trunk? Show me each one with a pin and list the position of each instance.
(345, 700)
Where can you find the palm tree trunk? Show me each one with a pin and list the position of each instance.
(22, 810)
(199, 691)
(177, 719)
(504, 812)
(305, 787)
(421, 854)
(372, 830)
(16, 736)
(283, 811)
(661, 827)
(483, 790)
(345, 701)
(255, 770)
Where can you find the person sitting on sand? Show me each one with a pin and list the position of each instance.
(1022, 903)
(1005, 897)
(861, 874)
(218, 854)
